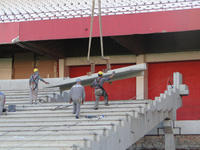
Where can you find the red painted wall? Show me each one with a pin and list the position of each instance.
(8, 31)
(118, 90)
(140, 23)
(159, 74)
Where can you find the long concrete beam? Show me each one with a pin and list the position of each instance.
(120, 73)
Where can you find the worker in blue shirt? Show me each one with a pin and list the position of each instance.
(33, 84)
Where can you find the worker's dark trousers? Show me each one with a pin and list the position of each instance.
(99, 93)
(76, 106)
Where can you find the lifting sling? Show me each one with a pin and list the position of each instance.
(101, 38)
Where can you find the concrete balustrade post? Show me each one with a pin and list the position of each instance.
(169, 135)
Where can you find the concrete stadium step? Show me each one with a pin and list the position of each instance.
(24, 97)
(91, 102)
(27, 96)
(54, 143)
(24, 101)
(53, 133)
(45, 138)
(27, 90)
(13, 95)
(69, 115)
(69, 110)
(64, 106)
(37, 131)
(86, 103)
(63, 123)
(82, 115)
(83, 107)
(40, 148)
(57, 105)
(17, 103)
(60, 119)
(57, 128)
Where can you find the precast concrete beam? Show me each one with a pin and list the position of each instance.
(120, 73)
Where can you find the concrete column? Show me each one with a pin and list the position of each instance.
(169, 135)
(141, 81)
(61, 68)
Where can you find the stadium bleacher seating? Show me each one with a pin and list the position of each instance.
(23, 10)
(52, 126)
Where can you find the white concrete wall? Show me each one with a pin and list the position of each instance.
(24, 83)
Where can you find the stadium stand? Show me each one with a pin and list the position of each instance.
(52, 126)
(23, 10)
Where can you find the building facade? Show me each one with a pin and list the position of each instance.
(164, 35)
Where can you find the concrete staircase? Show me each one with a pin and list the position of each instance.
(52, 126)
(21, 97)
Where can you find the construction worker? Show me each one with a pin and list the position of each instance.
(33, 84)
(77, 96)
(2, 103)
(99, 90)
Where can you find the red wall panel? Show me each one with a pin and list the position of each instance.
(117, 90)
(8, 31)
(159, 73)
(139, 23)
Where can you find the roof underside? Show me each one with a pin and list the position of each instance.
(113, 45)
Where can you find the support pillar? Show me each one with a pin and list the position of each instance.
(169, 135)
(61, 68)
(142, 81)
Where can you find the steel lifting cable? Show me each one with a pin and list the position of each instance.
(100, 26)
(91, 29)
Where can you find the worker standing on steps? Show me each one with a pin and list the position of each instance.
(2, 103)
(99, 90)
(77, 96)
(33, 84)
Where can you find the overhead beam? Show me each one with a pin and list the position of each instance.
(174, 56)
(131, 59)
(55, 53)
(132, 43)
(39, 49)
(79, 61)
(25, 46)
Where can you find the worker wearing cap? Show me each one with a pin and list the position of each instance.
(33, 84)
(99, 90)
(2, 102)
(77, 96)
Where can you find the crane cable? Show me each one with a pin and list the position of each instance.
(91, 29)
